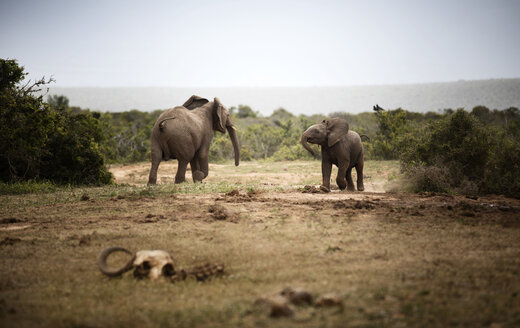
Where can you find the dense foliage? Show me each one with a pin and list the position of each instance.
(460, 153)
(275, 137)
(454, 151)
(46, 141)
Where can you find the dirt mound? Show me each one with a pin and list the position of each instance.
(312, 190)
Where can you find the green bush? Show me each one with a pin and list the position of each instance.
(42, 142)
(74, 155)
(459, 154)
(503, 167)
(291, 153)
(390, 138)
(221, 148)
(428, 178)
(128, 135)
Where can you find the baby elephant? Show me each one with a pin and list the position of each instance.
(339, 146)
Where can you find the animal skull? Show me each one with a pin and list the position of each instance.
(153, 264)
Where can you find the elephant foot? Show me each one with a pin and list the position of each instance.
(360, 187)
(325, 189)
(152, 181)
(351, 188)
(198, 176)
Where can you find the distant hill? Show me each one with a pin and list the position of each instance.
(495, 94)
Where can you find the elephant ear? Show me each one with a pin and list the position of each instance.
(220, 113)
(336, 129)
(194, 102)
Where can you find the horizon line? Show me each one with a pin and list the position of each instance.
(294, 86)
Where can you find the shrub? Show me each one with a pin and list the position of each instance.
(503, 169)
(74, 155)
(428, 178)
(458, 153)
(41, 142)
(291, 153)
(389, 140)
(221, 148)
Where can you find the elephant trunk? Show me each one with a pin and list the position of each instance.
(234, 140)
(111, 272)
(306, 145)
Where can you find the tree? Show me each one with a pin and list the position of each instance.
(246, 111)
(58, 102)
(45, 142)
(393, 126)
(25, 123)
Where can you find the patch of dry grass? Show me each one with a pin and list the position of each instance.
(394, 259)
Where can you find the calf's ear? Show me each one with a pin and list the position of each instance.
(336, 129)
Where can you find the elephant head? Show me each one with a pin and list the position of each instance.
(222, 122)
(328, 133)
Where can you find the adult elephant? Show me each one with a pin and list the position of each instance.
(185, 132)
(339, 146)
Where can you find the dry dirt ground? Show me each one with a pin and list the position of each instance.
(390, 258)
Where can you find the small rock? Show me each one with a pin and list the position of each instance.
(84, 197)
(219, 212)
(233, 192)
(280, 307)
(329, 300)
(332, 249)
(313, 190)
(277, 306)
(297, 296)
(84, 241)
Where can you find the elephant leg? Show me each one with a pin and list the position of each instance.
(340, 179)
(204, 163)
(181, 171)
(326, 169)
(350, 183)
(156, 160)
(359, 171)
(196, 173)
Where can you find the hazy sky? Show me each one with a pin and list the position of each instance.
(262, 42)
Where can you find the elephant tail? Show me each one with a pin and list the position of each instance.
(367, 138)
(162, 124)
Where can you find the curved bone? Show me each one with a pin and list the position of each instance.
(113, 272)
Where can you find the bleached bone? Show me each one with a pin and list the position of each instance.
(152, 264)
